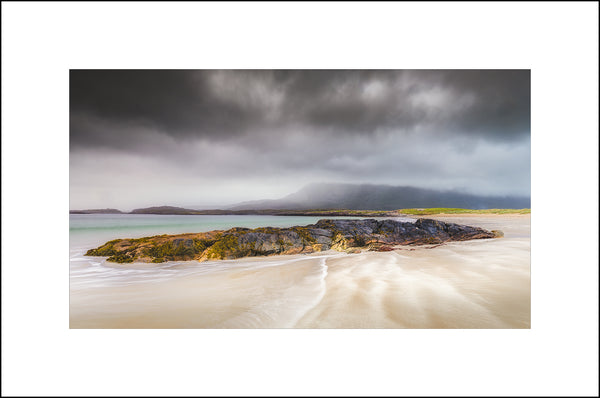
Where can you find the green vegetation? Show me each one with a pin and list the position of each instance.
(242, 242)
(161, 251)
(337, 212)
(124, 257)
(141, 240)
(169, 251)
(266, 230)
(106, 250)
(226, 245)
(202, 244)
(307, 238)
(444, 210)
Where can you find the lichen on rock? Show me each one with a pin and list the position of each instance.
(342, 235)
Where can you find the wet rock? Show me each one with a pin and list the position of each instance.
(342, 235)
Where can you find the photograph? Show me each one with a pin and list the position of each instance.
(299, 198)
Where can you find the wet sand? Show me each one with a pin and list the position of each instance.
(473, 284)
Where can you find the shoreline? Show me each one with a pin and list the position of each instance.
(308, 212)
(458, 215)
(482, 283)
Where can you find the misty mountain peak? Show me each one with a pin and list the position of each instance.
(381, 197)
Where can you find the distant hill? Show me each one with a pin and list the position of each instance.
(381, 197)
(96, 211)
(165, 210)
(173, 210)
(319, 199)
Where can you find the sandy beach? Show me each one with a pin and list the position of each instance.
(472, 284)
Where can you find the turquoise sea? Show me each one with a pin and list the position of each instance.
(90, 230)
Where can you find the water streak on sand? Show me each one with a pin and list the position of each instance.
(473, 284)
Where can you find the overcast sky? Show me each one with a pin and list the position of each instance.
(216, 137)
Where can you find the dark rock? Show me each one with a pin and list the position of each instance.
(327, 234)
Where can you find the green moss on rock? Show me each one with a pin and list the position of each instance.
(341, 235)
(224, 247)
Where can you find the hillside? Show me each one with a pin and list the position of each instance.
(382, 197)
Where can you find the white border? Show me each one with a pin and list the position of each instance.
(558, 41)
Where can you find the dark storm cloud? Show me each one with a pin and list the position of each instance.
(502, 107)
(174, 102)
(141, 138)
(216, 105)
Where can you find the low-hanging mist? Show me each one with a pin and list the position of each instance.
(214, 138)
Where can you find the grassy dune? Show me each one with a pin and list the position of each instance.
(445, 210)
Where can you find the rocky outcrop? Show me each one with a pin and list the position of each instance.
(341, 235)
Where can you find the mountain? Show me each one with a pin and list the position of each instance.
(382, 197)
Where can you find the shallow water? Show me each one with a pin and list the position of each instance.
(475, 284)
(91, 230)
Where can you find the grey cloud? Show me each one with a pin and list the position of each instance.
(486, 103)
(227, 172)
(254, 134)
(490, 104)
(179, 103)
